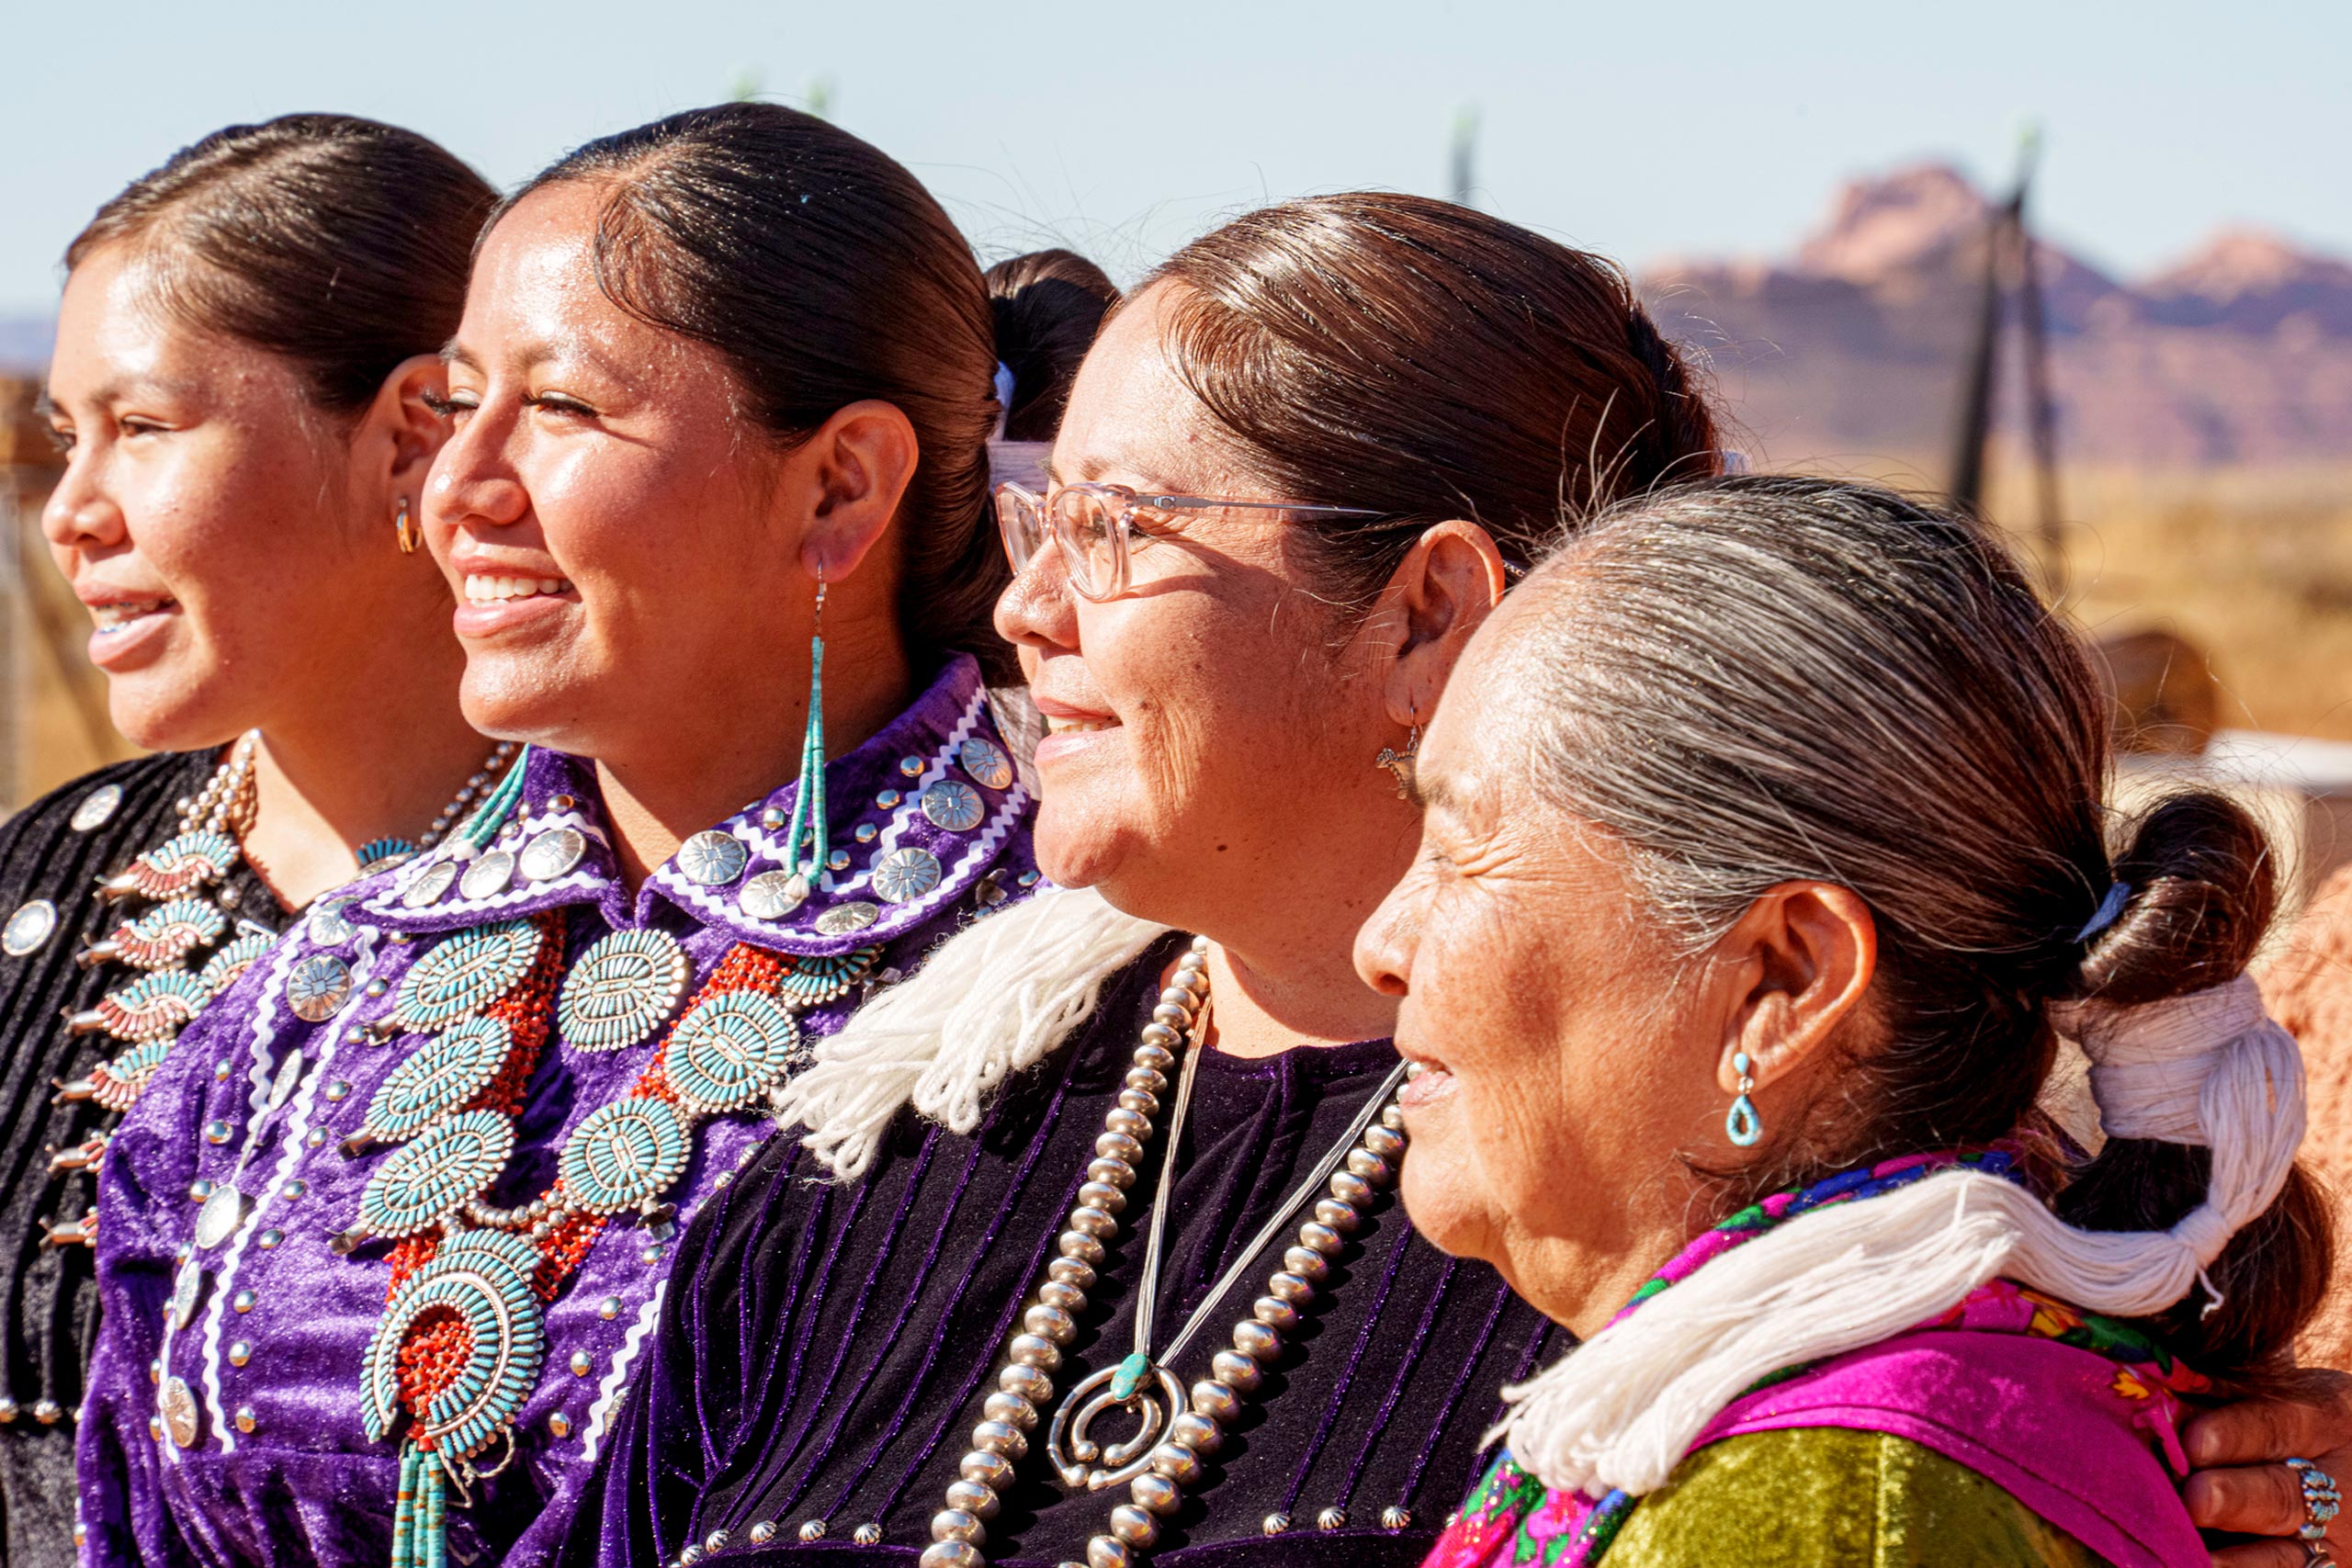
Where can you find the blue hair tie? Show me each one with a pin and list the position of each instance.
(2110, 909)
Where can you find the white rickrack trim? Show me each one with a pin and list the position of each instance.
(261, 1071)
(745, 830)
(616, 1377)
(912, 803)
(388, 903)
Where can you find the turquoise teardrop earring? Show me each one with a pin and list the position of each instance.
(1743, 1127)
(809, 795)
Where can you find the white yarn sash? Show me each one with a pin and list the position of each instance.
(1623, 1409)
(992, 999)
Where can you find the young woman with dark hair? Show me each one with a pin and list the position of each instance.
(1085, 1246)
(246, 358)
(387, 1232)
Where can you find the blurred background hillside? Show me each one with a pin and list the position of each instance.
(1804, 198)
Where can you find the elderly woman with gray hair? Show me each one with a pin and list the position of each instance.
(1764, 861)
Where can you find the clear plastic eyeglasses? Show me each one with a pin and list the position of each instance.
(1093, 524)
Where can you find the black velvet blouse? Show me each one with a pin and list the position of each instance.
(826, 1348)
(51, 1318)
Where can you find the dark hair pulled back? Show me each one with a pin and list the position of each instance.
(823, 274)
(1047, 305)
(341, 244)
(1428, 361)
(1749, 682)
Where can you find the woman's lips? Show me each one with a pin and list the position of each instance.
(126, 631)
(1071, 734)
(496, 601)
(1425, 1084)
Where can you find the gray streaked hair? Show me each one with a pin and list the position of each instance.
(1746, 682)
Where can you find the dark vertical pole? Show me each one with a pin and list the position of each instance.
(1984, 365)
(2042, 414)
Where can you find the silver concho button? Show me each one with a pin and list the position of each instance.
(178, 1406)
(843, 919)
(430, 884)
(953, 804)
(553, 853)
(186, 1291)
(289, 1075)
(771, 896)
(712, 858)
(219, 1220)
(318, 987)
(905, 874)
(28, 928)
(97, 808)
(488, 876)
(986, 761)
(328, 927)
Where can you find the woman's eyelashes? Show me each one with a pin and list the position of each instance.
(457, 403)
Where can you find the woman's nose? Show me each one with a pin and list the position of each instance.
(471, 482)
(1384, 942)
(79, 511)
(1037, 608)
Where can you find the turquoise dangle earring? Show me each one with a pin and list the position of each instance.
(1743, 1127)
(809, 795)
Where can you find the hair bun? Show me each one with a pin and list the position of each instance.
(2203, 890)
(1047, 305)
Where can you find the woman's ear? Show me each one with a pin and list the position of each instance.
(1794, 967)
(401, 429)
(1443, 590)
(851, 476)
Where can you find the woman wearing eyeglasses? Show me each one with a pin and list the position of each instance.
(1086, 1248)
(940, 1336)
(387, 1234)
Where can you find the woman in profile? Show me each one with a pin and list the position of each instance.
(245, 361)
(1728, 1014)
(387, 1232)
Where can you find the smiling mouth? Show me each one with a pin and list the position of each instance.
(1056, 724)
(114, 617)
(482, 590)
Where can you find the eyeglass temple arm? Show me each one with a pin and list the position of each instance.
(1211, 503)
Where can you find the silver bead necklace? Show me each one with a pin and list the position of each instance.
(1167, 1454)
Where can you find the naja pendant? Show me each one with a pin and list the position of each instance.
(1148, 1392)
(164, 935)
(178, 865)
(153, 1007)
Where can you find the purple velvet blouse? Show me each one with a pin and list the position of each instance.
(280, 1470)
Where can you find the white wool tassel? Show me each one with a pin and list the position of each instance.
(1624, 1409)
(990, 1001)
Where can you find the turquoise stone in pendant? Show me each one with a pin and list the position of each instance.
(1133, 1373)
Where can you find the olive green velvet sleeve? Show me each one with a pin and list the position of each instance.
(1827, 1497)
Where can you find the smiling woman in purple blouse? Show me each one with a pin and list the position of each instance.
(392, 1224)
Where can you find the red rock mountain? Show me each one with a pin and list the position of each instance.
(1855, 347)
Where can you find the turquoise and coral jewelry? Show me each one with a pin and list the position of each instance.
(462, 1339)
(1172, 1444)
(165, 943)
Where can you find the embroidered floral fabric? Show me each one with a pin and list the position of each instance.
(1512, 1519)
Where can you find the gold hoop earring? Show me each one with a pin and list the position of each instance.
(405, 530)
(1400, 763)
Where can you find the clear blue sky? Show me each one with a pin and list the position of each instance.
(1637, 129)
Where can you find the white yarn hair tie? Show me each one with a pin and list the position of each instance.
(1623, 1409)
(992, 999)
